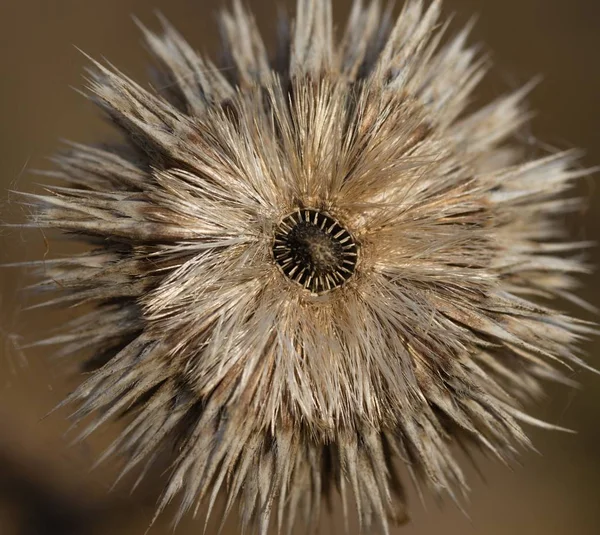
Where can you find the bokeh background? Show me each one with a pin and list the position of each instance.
(46, 485)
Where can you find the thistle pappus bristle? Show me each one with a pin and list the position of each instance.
(309, 268)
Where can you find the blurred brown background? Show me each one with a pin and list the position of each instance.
(46, 486)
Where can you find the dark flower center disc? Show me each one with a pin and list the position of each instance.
(315, 250)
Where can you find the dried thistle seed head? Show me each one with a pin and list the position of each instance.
(314, 250)
(306, 269)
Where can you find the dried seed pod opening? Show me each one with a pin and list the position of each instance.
(315, 250)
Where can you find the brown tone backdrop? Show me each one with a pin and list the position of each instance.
(46, 486)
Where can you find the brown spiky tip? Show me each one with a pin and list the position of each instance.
(315, 250)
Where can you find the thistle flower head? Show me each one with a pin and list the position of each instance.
(309, 267)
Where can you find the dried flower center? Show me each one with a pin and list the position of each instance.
(314, 250)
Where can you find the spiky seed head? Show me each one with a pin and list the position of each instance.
(308, 268)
